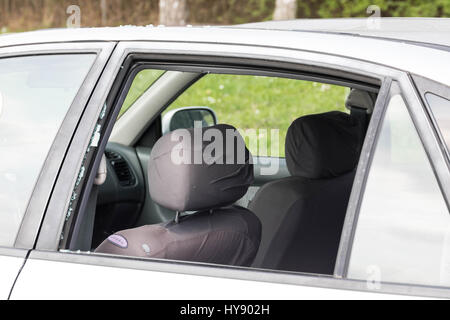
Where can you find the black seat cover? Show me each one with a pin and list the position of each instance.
(302, 216)
(218, 232)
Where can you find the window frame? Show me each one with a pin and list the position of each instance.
(367, 153)
(230, 66)
(134, 63)
(28, 231)
(424, 86)
(47, 244)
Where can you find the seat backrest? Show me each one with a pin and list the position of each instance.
(205, 170)
(302, 216)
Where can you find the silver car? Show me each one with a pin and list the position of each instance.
(361, 212)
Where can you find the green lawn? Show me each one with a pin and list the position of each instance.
(249, 102)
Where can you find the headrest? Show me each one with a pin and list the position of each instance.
(323, 146)
(199, 169)
(362, 100)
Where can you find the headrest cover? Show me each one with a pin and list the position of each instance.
(199, 169)
(323, 146)
(362, 100)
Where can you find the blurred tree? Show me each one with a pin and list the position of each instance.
(22, 15)
(104, 10)
(389, 8)
(173, 12)
(285, 10)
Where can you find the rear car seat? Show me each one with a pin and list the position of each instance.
(302, 216)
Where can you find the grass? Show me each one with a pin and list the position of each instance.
(249, 102)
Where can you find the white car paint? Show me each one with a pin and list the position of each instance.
(10, 267)
(96, 282)
(1, 103)
(395, 54)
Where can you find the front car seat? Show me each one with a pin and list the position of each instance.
(188, 174)
(302, 216)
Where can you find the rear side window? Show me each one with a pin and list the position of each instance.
(403, 230)
(35, 95)
(441, 110)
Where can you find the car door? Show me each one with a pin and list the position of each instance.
(88, 275)
(11, 261)
(400, 231)
(41, 93)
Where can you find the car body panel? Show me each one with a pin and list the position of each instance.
(10, 269)
(123, 50)
(92, 276)
(432, 31)
(397, 54)
(99, 282)
(11, 262)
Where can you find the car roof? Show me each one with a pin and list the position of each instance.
(400, 54)
(431, 31)
(420, 30)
